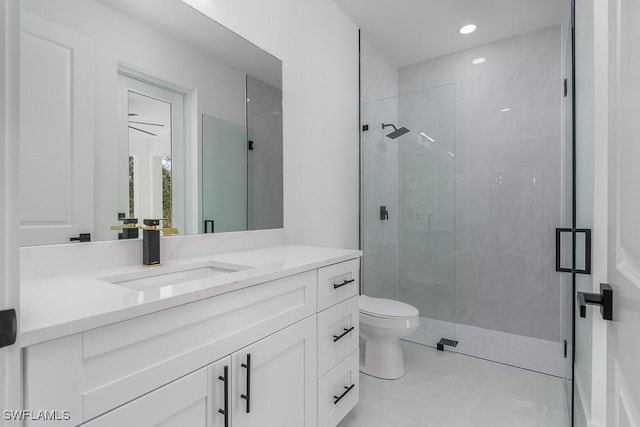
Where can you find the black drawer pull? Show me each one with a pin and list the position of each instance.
(346, 331)
(247, 396)
(347, 390)
(345, 283)
(225, 411)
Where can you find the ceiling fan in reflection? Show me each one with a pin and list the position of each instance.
(142, 123)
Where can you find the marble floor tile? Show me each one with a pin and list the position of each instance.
(453, 390)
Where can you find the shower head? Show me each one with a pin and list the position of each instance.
(396, 132)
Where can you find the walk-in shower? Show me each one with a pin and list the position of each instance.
(472, 195)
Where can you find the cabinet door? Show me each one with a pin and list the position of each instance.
(275, 379)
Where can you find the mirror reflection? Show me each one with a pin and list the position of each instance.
(146, 109)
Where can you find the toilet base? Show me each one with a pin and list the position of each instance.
(382, 358)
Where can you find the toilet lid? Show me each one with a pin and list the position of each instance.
(382, 307)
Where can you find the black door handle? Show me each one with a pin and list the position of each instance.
(604, 299)
(344, 393)
(83, 237)
(8, 327)
(225, 379)
(247, 396)
(336, 338)
(345, 283)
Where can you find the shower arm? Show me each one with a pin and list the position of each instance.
(386, 126)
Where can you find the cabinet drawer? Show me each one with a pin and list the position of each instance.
(181, 403)
(338, 282)
(338, 391)
(338, 330)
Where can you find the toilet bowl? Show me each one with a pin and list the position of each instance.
(382, 323)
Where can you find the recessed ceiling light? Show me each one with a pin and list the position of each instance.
(504, 110)
(467, 29)
(478, 61)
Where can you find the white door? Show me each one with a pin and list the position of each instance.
(56, 132)
(10, 366)
(274, 380)
(608, 361)
(623, 334)
(151, 131)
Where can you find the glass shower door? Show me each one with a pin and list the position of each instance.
(408, 207)
(426, 198)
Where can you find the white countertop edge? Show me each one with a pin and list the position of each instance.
(51, 332)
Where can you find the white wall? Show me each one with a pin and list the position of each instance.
(318, 45)
(379, 76)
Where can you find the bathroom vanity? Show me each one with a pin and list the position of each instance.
(264, 337)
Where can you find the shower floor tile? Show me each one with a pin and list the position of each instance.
(453, 390)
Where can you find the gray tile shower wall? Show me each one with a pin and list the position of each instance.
(508, 188)
(264, 126)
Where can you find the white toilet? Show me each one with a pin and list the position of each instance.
(382, 323)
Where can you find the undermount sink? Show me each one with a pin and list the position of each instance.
(159, 277)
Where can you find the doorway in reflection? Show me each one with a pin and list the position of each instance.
(151, 136)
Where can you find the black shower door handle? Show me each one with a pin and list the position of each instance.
(587, 250)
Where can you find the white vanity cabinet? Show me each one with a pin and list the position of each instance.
(264, 384)
(165, 368)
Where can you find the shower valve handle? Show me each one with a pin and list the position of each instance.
(384, 213)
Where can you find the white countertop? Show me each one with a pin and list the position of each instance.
(53, 307)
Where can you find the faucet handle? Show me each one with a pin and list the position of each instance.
(154, 224)
(127, 223)
(168, 231)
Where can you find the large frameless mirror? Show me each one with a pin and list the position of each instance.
(122, 112)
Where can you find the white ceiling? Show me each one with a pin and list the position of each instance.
(410, 31)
